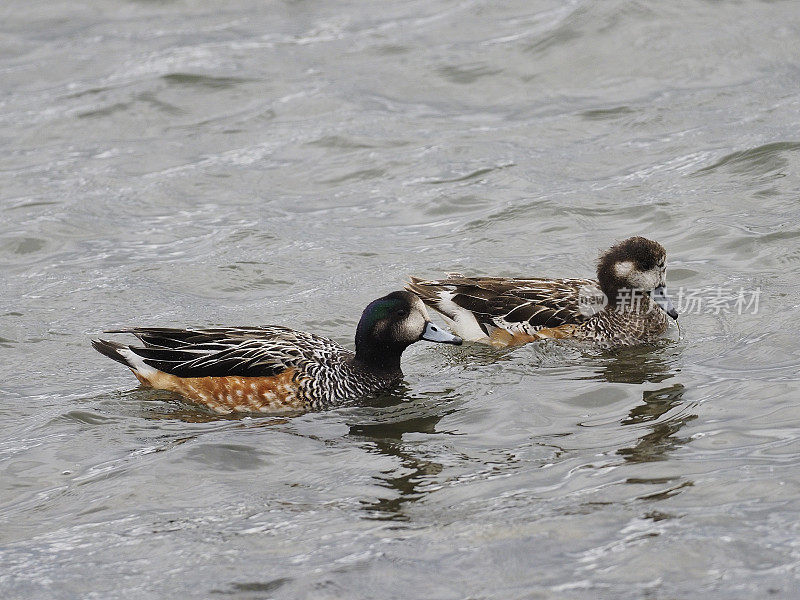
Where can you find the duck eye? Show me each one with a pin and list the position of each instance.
(402, 312)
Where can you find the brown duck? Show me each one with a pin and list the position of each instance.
(626, 305)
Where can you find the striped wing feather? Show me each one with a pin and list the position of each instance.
(221, 352)
(525, 304)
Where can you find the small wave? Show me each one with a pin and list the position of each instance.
(759, 160)
(197, 80)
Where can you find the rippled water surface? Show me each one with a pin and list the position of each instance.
(247, 162)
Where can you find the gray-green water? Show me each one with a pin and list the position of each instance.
(250, 162)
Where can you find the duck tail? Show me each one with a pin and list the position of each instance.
(112, 350)
(124, 355)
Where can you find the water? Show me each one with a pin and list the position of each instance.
(198, 163)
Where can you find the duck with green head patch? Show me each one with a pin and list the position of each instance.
(626, 305)
(276, 369)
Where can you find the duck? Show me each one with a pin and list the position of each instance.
(626, 305)
(275, 369)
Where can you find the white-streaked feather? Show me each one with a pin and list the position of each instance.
(137, 363)
(461, 321)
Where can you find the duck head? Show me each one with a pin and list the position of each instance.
(392, 323)
(635, 265)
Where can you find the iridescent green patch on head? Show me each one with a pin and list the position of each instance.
(382, 308)
(383, 328)
(389, 325)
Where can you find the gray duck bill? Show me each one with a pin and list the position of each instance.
(433, 334)
(663, 301)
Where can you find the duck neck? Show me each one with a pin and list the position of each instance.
(378, 357)
(628, 300)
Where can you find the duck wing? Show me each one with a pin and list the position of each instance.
(220, 352)
(478, 305)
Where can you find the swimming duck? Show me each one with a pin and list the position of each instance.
(626, 305)
(276, 369)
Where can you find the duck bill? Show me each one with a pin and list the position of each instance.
(432, 333)
(664, 303)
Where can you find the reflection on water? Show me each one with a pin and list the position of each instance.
(646, 363)
(638, 366)
(661, 439)
(406, 480)
(656, 403)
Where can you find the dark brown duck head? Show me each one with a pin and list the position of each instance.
(636, 265)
